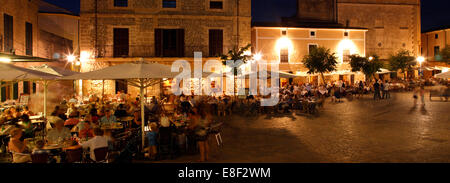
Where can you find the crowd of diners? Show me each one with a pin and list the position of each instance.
(174, 123)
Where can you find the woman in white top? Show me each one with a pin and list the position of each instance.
(164, 120)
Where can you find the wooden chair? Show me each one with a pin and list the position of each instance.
(74, 156)
(216, 129)
(305, 106)
(101, 155)
(39, 158)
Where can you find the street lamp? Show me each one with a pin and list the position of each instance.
(420, 59)
(257, 56)
(71, 58)
(5, 60)
(370, 58)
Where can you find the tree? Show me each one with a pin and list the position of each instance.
(236, 55)
(363, 64)
(402, 61)
(446, 54)
(320, 60)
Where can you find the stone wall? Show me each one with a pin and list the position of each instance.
(393, 24)
(317, 10)
(53, 46)
(143, 17)
(22, 11)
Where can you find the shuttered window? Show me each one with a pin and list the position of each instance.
(8, 28)
(284, 55)
(215, 42)
(15, 91)
(4, 92)
(169, 42)
(121, 42)
(29, 38)
(26, 87)
(34, 87)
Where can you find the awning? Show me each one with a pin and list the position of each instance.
(384, 71)
(445, 75)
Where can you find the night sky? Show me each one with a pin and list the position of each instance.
(435, 13)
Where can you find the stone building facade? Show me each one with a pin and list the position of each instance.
(392, 25)
(433, 42)
(18, 13)
(31, 37)
(145, 26)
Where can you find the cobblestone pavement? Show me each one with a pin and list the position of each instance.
(361, 130)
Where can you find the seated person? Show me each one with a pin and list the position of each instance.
(72, 111)
(39, 148)
(71, 122)
(120, 112)
(59, 132)
(99, 141)
(137, 119)
(18, 147)
(108, 119)
(58, 113)
(28, 127)
(15, 113)
(26, 111)
(85, 127)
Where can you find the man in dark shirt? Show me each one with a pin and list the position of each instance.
(376, 88)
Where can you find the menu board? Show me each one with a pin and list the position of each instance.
(24, 99)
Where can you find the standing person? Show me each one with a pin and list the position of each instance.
(152, 136)
(386, 90)
(361, 89)
(376, 88)
(199, 123)
(422, 94)
(381, 89)
(415, 97)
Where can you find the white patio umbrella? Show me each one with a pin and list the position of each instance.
(13, 73)
(54, 71)
(281, 74)
(139, 74)
(444, 75)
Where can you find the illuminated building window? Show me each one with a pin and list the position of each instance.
(284, 55)
(346, 55)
